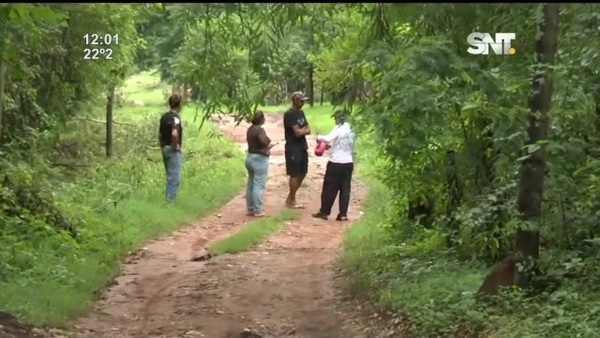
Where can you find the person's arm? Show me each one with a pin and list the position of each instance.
(353, 137)
(159, 133)
(290, 120)
(175, 133)
(263, 138)
(331, 136)
(301, 131)
(307, 126)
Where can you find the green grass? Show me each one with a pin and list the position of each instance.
(145, 87)
(47, 277)
(252, 233)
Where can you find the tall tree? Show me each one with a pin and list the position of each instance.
(533, 167)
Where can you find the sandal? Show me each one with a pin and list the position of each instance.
(258, 214)
(320, 215)
(295, 206)
(341, 218)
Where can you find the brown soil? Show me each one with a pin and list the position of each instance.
(285, 287)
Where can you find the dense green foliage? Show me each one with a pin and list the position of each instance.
(432, 99)
(68, 214)
(444, 141)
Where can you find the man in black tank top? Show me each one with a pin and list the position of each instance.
(170, 135)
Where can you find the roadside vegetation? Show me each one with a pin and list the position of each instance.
(468, 157)
(111, 205)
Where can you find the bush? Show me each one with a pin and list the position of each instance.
(48, 276)
(417, 276)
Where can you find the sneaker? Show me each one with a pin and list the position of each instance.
(341, 218)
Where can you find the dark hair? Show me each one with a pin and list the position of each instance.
(258, 118)
(175, 101)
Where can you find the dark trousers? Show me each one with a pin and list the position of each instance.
(338, 178)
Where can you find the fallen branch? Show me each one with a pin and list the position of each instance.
(104, 205)
(103, 122)
(59, 164)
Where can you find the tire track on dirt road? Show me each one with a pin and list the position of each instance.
(284, 287)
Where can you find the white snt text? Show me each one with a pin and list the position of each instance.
(481, 43)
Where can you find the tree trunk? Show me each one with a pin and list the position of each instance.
(322, 90)
(109, 121)
(2, 87)
(531, 184)
(454, 196)
(4, 42)
(310, 85)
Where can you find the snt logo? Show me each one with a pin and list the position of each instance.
(482, 42)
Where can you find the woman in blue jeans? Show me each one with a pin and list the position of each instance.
(257, 164)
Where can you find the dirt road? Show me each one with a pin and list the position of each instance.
(285, 287)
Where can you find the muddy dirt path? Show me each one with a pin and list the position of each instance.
(285, 287)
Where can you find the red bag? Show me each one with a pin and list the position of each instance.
(320, 148)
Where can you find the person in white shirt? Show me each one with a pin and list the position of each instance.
(338, 175)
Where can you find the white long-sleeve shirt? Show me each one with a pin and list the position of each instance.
(341, 141)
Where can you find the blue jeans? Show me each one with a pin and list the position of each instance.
(258, 167)
(172, 161)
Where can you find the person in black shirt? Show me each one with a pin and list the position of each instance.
(257, 164)
(170, 137)
(296, 148)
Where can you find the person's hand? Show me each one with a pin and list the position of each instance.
(177, 148)
(327, 146)
(273, 144)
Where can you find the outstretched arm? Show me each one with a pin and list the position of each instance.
(329, 137)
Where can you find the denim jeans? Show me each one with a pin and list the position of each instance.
(172, 161)
(257, 166)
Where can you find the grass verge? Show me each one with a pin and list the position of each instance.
(415, 277)
(252, 233)
(46, 277)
